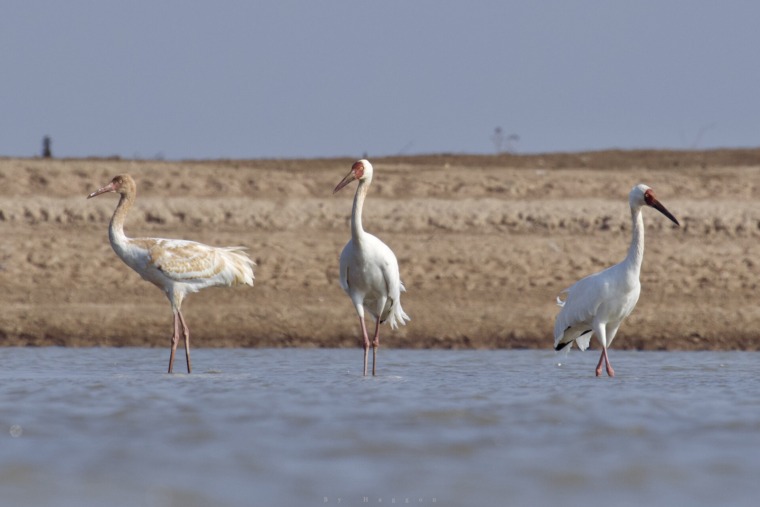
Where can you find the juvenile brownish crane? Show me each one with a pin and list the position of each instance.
(177, 267)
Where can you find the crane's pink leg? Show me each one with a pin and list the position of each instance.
(186, 332)
(175, 341)
(603, 358)
(366, 344)
(610, 371)
(599, 364)
(375, 345)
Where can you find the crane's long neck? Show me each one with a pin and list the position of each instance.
(357, 231)
(636, 250)
(116, 233)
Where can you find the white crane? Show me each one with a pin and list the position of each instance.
(175, 266)
(368, 268)
(597, 304)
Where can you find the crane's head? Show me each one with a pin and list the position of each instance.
(642, 195)
(121, 184)
(361, 170)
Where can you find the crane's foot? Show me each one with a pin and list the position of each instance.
(599, 365)
(610, 371)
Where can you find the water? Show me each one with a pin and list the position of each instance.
(81, 427)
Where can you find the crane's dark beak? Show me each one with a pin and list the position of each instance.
(108, 188)
(662, 209)
(351, 176)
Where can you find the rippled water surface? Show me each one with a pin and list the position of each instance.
(293, 427)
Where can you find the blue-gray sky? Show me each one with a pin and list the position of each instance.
(250, 79)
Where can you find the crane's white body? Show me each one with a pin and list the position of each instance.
(177, 267)
(597, 304)
(369, 272)
(369, 275)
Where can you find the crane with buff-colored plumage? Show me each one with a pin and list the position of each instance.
(175, 266)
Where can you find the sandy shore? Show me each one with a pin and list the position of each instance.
(485, 244)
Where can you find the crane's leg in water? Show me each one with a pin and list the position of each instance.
(375, 344)
(603, 358)
(610, 371)
(175, 341)
(600, 330)
(186, 332)
(366, 343)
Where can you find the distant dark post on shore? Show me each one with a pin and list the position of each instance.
(498, 139)
(47, 152)
(504, 144)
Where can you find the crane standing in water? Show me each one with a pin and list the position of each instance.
(369, 271)
(597, 304)
(175, 266)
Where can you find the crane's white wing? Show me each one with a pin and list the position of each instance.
(393, 311)
(606, 297)
(573, 323)
(345, 256)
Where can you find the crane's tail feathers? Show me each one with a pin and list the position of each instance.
(239, 264)
(397, 315)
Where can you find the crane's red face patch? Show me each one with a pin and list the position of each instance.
(649, 197)
(358, 169)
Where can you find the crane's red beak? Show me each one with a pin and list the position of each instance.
(108, 188)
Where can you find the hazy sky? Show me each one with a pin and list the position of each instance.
(248, 79)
